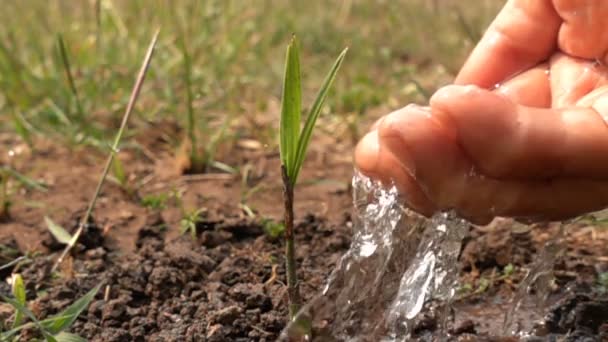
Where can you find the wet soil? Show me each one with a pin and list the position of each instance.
(227, 283)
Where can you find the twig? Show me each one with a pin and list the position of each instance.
(13, 262)
(134, 94)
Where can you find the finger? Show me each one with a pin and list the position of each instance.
(523, 34)
(376, 124)
(573, 78)
(530, 88)
(505, 140)
(429, 152)
(383, 166)
(541, 200)
(598, 100)
(445, 175)
(584, 32)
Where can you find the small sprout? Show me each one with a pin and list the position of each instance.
(198, 150)
(18, 290)
(293, 147)
(483, 285)
(465, 288)
(508, 270)
(602, 282)
(7, 174)
(155, 202)
(273, 229)
(119, 177)
(189, 221)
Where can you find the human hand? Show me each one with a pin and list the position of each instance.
(535, 146)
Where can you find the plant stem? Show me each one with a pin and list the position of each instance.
(293, 291)
(190, 99)
(4, 201)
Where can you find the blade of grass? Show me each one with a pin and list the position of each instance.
(5, 335)
(313, 115)
(98, 26)
(23, 179)
(24, 310)
(19, 294)
(59, 233)
(194, 159)
(134, 94)
(71, 312)
(291, 107)
(68, 73)
(67, 337)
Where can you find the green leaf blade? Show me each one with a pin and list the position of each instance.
(58, 232)
(313, 115)
(67, 337)
(71, 312)
(291, 108)
(20, 296)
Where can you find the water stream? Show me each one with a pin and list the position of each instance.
(400, 267)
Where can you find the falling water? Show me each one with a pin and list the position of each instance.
(399, 261)
(536, 285)
(400, 267)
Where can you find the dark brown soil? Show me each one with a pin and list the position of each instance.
(227, 284)
(228, 287)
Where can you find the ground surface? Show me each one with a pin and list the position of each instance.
(228, 283)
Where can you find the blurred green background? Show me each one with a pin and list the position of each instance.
(67, 67)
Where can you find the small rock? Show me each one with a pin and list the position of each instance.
(464, 327)
(96, 253)
(226, 315)
(113, 309)
(215, 333)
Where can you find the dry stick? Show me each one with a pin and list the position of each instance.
(125, 119)
(293, 290)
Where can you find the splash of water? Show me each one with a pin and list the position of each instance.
(398, 262)
(536, 285)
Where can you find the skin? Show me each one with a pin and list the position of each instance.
(521, 133)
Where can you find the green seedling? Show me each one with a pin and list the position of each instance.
(189, 221)
(273, 229)
(70, 78)
(155, 201)
(293, 146)
(7, 174)
(602, 282)
(22, 127)
(134, 94)
(201, 144)
(120, 177)
(54, 328)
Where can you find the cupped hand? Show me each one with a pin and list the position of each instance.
(522, 132)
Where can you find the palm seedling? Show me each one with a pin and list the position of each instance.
(293, 145)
